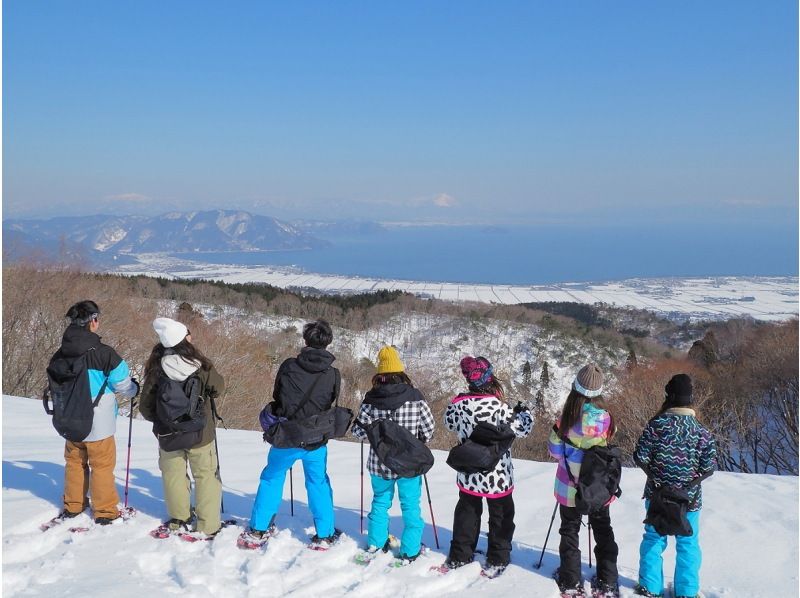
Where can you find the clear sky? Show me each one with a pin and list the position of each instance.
(532, 111)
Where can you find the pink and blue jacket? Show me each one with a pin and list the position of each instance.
(591, 430)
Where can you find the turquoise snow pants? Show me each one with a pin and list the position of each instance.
(687, 560)
(409, 490)
(318, 487)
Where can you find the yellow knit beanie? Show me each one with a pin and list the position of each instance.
(389, 361)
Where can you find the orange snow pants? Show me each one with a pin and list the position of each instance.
(91, 464)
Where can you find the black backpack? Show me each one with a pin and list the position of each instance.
(397, 448)
(599, 478)
(73, 405)
(668, 508)
(481, 452)
(180, 417)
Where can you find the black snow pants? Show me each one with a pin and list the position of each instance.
(605, 549)
(467, 529)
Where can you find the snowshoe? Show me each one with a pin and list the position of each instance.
(492, 571)
(403, 559)
(252, 539)
(195, 536)
(58, 520)
(123, 515)
(601, 589)
(448, 566)
(323, 544)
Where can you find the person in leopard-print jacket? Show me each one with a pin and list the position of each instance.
(484, 403)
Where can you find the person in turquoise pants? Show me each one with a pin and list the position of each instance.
(393, 396)
(318, 488)
(688, 559)
(674, 450)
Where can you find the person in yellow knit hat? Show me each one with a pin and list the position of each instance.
(393, 396)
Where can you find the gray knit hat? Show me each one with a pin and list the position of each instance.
(589, 381)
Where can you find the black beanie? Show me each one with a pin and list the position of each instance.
(679, 390)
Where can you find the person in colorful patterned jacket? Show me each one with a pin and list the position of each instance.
(484, 403)
(674, 450)
(393, 395)
(585, 423)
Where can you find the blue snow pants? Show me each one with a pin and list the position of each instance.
(318, 487)
(409, 490)
(687, 560)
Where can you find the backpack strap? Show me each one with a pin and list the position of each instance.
(106, 373)
(309, 392)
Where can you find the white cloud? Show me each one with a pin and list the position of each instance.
(443, 200)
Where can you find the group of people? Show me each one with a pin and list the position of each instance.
(674, 450)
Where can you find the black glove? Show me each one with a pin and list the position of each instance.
(138, 388)
(520, 407)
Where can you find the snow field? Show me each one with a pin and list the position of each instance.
(749, 530)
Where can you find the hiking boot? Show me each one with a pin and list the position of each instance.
(177, 525)
(318, 543)
(105, 520)
(491, 571)
(640, 590)
(451, 564)
(67, 514)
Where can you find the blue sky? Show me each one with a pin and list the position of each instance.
(622, 112)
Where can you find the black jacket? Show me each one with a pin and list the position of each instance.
(392, 396)
(295, 378)
(78, 340)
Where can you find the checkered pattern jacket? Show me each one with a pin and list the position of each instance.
(402, 403)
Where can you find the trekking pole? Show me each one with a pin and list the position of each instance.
(430, 506)
(128, 465)
(589, 530)
(291, 492)
(362, 487)
(219, 475)
(547, 537)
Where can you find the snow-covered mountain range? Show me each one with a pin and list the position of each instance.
(215, 230)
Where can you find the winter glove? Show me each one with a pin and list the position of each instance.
(138, 388)
(521, 407)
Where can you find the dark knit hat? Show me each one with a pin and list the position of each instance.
(679, 390)
(477, 370)
(589, 381)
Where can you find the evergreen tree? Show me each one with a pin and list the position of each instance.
(526, 375)
(545, 377)
(538, 401)
(631, 362)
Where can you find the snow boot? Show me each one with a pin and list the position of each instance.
(253, 539)
(492, 571)
(449, 565)
(640, 590)
(323, 544)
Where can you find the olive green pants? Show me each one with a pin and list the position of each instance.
(177, 487)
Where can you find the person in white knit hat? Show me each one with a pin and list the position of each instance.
(174, 366)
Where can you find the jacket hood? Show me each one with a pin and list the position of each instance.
(177, 368)
(77, 341)
(391, 396)
(314, 360)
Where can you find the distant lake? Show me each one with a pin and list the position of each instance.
(538, 255)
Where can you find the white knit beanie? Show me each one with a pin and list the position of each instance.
(169, 331)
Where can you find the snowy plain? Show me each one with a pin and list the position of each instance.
(760, 297)
(749, 530)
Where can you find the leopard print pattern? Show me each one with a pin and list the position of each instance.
(462, 415)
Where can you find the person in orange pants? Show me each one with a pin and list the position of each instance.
(89, 468)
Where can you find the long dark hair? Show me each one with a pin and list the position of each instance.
(573, 411)
(184, 349)
(492, 387)
(392, 378)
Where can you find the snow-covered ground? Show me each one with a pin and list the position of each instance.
(763, 298)
(749, 530)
